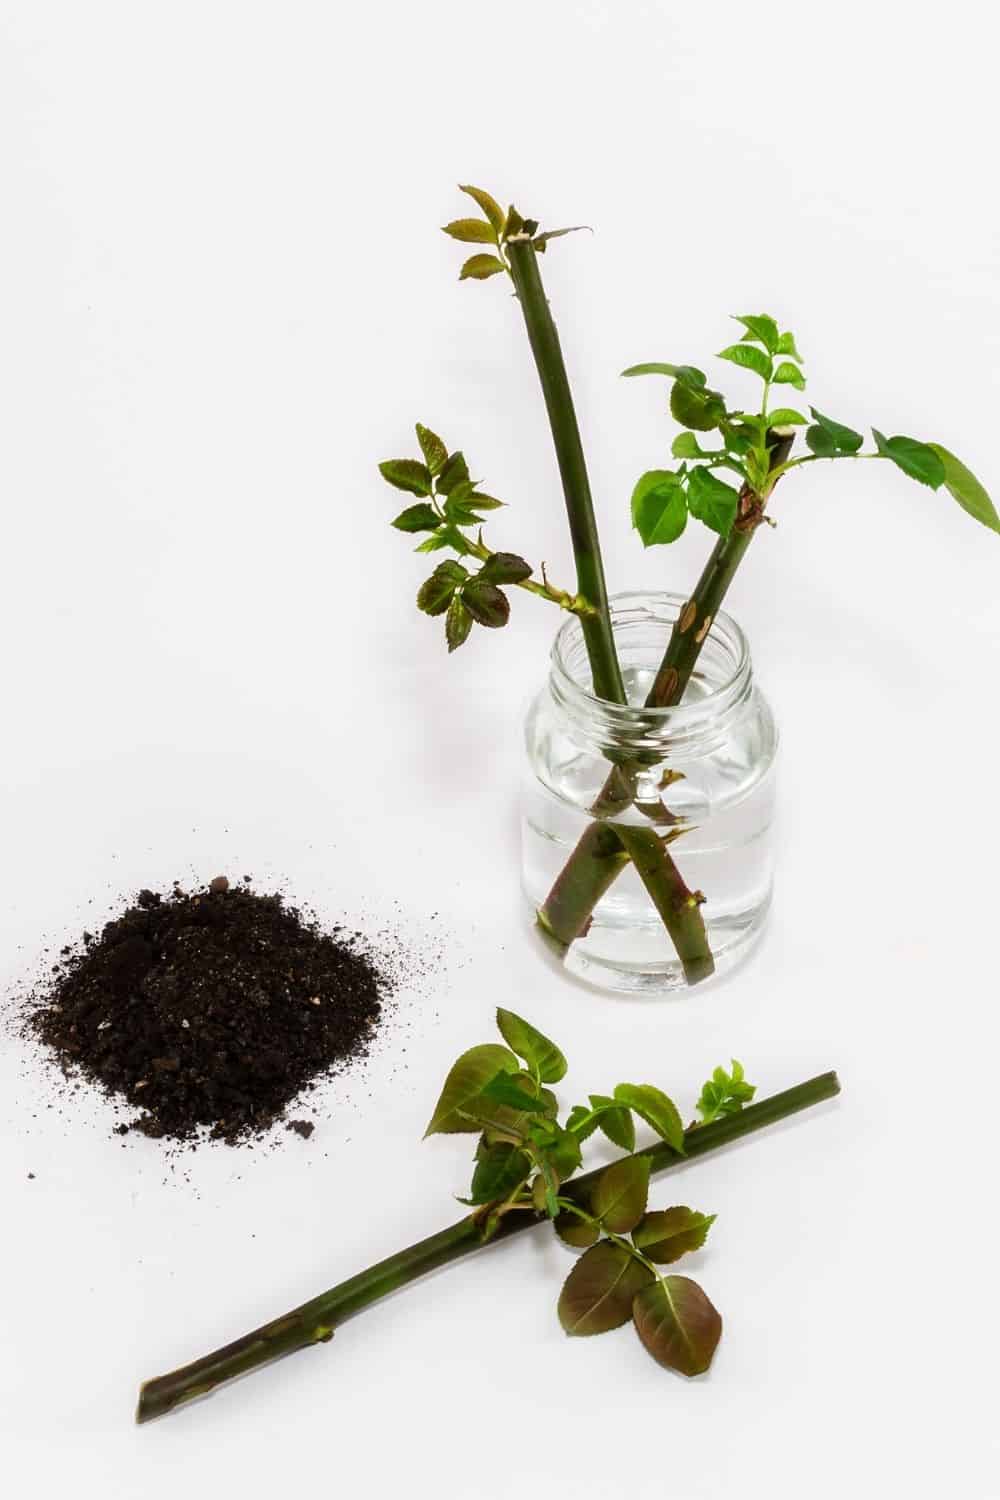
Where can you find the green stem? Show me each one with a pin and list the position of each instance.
(590, 584)
(662, 878)
(678, 906)
(315, 1321)
(566, 914)
(596, 862)
(694, 622)
(818, 458)
(568, 1206)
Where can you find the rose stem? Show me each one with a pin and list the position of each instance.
(605, 854)
(588, 873)
(314, 1322)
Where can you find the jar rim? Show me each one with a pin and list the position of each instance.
(664, 607)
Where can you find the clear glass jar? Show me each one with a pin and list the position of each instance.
(705, 766)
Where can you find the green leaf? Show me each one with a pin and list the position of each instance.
(502, 1089)
(471, 231)
(918, 460)
(600, 1291)
(619, 1195)
(487, 604)
(465, 1080)
(563, 1153)
(506, 1124)
(614, 1121)
(454, 472)
(436, 542)
(549, 1102)
(964, 487)
(751, 420)
(580, 1233)
(434, 451)
(479, 267)
(687, 374)
(845, 439)
(738, 439)
(538, 1052)
(407, 474)
(686, 445)
(457, 624)
(561, 1149)
(786, 345)
(484, 502)
(459, 514)
(489, 206)
(787, 374)
(436, 592)
(749, 357)
(725, 1093)
(541, 240)
(504, 567)
(515, 223)
(712, 501)
(667, 1234)
(759, 326)
(697, 409)
(582, 1121)
(820, 442)
(545, 1190)
(655, 1108)
(786, 416)
(417, 518)
(498, 1172)
(460, 504)
(677, 1324)
(659, 508)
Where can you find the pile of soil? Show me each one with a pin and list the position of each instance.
(213, 1009)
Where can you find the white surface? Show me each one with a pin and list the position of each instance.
(223, 298)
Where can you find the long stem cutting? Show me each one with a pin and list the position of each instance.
(315, 1321)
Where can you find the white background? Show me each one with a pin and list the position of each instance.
(223, 298)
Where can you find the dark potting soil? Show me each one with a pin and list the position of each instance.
(214, 1009)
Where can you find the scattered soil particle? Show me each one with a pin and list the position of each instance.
(304, 1128)
(213, 1009)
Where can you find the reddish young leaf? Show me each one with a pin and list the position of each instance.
(599, 1291)
(669, 1233)
(677, 1324)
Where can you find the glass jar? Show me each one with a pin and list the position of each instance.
(703, 778)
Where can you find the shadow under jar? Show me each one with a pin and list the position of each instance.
(705, 766)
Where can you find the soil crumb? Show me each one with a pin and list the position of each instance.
(210, 1012)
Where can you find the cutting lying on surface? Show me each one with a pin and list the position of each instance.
(523, 1174)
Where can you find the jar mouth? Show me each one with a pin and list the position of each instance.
(642, 623)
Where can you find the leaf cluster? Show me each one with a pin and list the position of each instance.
(525, 1154)
(701, 486)
(725, 1093)
(450, 505)
(496, 228)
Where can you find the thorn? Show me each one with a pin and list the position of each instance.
(669, 777)
(674, 833)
